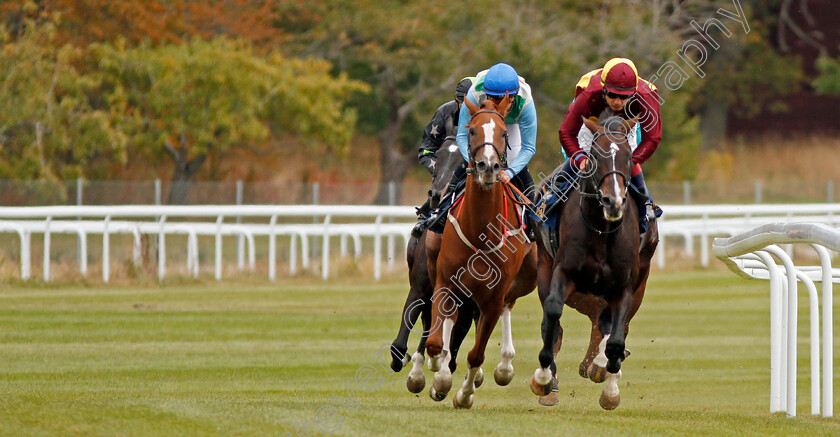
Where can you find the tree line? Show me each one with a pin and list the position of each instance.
(91, 87)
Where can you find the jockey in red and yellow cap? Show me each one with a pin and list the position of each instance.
(615, 90)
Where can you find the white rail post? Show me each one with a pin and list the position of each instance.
(325, 250)
(219, 221)
(776, 362)
(47, 238)
(272, 248)
(162, 249)
(106, 250)
(792, 319)
(828, 333)
(377, 249)
(25, 254)
(240, 240)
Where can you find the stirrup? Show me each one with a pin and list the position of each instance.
(420, 226)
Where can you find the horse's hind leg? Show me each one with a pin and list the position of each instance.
(552, 303)
(414, 305)
(416, 380)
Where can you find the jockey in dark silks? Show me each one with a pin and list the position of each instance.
(445, 120)
(615, 90)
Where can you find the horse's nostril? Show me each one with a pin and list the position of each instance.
(496, 166)
(481, 166)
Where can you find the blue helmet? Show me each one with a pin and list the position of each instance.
(501, 79)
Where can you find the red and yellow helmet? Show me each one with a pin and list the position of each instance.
(620, 76)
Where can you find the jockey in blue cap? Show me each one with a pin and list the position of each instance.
(521, 121)
(494, 83)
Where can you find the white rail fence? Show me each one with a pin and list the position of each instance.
(685, 223)
(749, 255)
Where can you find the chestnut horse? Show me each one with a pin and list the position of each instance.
(482, 255)
(418, 303)
(601, 266)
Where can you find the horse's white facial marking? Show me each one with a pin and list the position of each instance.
(453, 148)
(613, 151)
(489, 128)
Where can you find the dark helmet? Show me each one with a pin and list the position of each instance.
(462, 88)
(501, 79)
(620, 76)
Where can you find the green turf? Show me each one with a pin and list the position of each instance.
(254, 358)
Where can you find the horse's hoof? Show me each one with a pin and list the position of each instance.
(465, 404)
(479, 378)
(609, 402)
(583, 369)
(503, 376)
(396, 365)
(435, 395)
(415, 385)
(613, 366)
(597, 374)
(442, 384)
(550, 399)
(540, 389)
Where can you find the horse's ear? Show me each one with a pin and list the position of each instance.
(591, 125)
(471, 106)
(628, 124)
(505, 105)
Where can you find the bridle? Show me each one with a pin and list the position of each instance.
(598, 195)
(486, 143)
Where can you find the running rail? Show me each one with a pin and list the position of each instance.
(749, 255)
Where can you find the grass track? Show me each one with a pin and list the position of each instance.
(250, 358)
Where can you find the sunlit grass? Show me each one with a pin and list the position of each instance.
(251, 358)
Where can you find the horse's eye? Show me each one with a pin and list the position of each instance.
(472, 131)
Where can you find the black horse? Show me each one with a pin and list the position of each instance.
(419, 300)
(601, 266)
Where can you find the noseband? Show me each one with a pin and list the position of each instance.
(479, 146)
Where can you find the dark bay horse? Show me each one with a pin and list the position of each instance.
(482, 256)
(419, 300)
(600, 268)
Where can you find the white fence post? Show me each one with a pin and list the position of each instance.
(737, 251)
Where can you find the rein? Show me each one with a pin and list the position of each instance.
(509, 192)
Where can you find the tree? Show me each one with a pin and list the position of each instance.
(204, 97)
(50, 128)
(828, 81)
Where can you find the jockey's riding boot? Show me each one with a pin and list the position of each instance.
(422, 214)
(643, 198)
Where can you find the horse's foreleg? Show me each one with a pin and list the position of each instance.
(504, 371)
(445, 310)
(614, 348)
(475, 358)
(552, 303)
